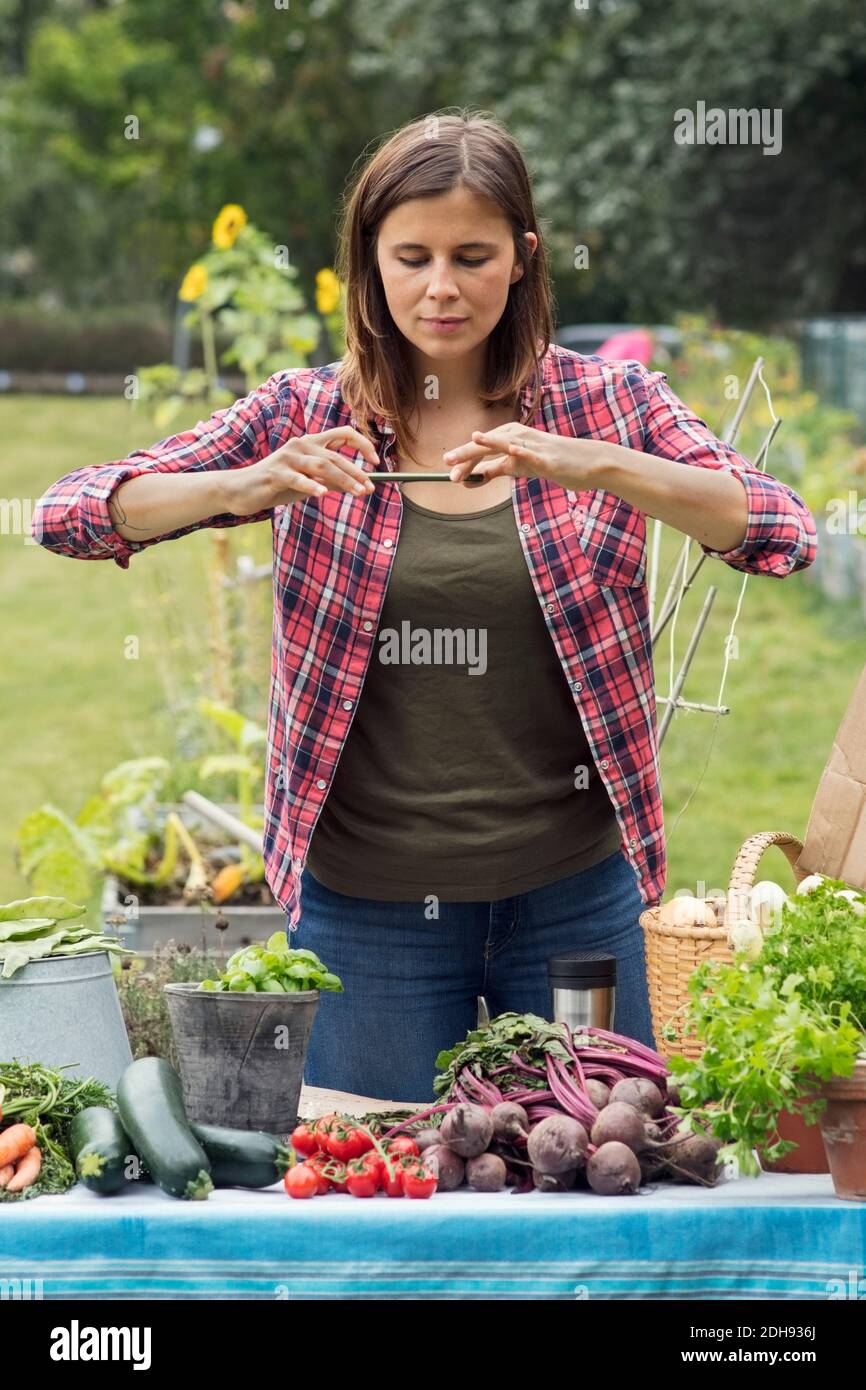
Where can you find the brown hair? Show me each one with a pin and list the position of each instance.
(429, 156)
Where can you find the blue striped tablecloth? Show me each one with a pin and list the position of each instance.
(775, 1236)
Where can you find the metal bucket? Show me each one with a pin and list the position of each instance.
(65, 1009)
(241, 1055)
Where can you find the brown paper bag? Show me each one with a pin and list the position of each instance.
(835, 842)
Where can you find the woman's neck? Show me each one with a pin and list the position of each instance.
(456, 384)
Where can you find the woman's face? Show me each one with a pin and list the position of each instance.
(448, 257)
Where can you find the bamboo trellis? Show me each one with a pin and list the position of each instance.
(680, 585)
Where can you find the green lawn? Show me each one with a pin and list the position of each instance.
(73, 701)
(73, 704)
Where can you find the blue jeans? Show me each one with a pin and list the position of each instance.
(412, 984)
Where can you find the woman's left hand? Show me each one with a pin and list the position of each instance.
(514, 450)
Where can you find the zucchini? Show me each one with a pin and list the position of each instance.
(243, 1158)
(100, 1150)
(150, 1102)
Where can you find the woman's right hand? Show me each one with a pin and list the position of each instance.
(307, 466)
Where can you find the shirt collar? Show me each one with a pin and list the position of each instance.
(384, 427)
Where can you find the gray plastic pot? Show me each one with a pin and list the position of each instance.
(241, 1056)
(65, 1009)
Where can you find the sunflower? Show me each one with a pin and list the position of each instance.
(327, 291)
(231, 221)
(194, 283)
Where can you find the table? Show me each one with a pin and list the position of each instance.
(776, 1236)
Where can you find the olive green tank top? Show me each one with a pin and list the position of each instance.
(466, 772)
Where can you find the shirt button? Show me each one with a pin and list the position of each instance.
(367, 626)
(577, 685)
(526, 528)
(347, 704)
(551, 607)
(604, 763)
(633, 844)
(387, 543)
(321, 783)
(297, 866)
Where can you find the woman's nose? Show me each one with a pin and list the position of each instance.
(441, 284)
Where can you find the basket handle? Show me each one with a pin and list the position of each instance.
(747, 860)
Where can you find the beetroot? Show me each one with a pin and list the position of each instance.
(510, 1121)
(693, 1159)
(467, 1129)
(613, 1170)
(427, 1138)
(557, 1143)
(643, 1094)
(448, 1167)
(622, 1124)
(555, 1182)
(598, 1093)
(485, 1173)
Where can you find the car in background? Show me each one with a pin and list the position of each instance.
(621, 339)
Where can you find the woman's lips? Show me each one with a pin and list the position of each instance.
(444, 325)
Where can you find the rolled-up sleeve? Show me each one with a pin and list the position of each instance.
(781, 536)
(72, 516)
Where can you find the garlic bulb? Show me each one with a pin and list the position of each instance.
(689, 911)
(746, 938)
(766, 901)
(810, 883)
(854, 898)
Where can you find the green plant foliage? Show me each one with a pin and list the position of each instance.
(273, 968)
(773, 1028)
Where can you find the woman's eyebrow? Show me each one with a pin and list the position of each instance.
(463, 246)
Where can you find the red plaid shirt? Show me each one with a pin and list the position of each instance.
(585, 551)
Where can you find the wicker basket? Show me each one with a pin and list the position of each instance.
(674, 952)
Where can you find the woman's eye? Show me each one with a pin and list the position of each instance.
(464, 260)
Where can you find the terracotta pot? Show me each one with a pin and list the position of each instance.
(843, 1126)
(810, 1155)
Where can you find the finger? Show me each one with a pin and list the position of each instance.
(299, 482)
(488, 437)
(491, 466)
(337, 471)
(525, 455)
(352, 436)
(466, 454)
(476, 478)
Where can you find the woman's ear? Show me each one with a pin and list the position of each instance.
(531, 242)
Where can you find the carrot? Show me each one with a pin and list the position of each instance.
(228, 881)
(6, 1173)
(27, 1171)
(15, 1142)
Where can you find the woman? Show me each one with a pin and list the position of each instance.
(462, 767)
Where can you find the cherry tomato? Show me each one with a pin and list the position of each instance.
(393, 1187)
(361, 1179)
(322, 1127)
(418, 1181)
(301, 1181)
(316, 1161)
(403, 1144)
(335, 1172)
(304, 1139)
(345, 1141)
(364, 1141)
(375, 1162)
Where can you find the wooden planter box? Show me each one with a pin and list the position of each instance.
(143, 926)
